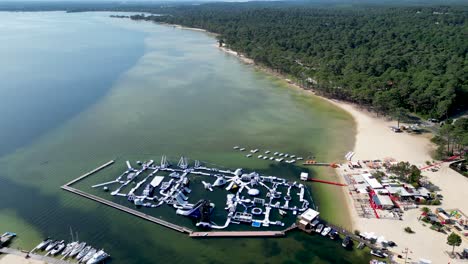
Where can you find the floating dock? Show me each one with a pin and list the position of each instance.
(238, 234)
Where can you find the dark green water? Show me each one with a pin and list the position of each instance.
(81, 89)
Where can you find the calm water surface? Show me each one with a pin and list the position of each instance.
(80, 89)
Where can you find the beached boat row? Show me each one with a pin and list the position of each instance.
(276, 156)
(80, 251)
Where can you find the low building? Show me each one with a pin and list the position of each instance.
(304, 220)
(373, 182)
(383, 201)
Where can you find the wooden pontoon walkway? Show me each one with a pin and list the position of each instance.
(243, 233)
(238, 234)
(128, 210)
(90, 173)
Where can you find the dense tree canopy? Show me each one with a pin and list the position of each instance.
(385, 58)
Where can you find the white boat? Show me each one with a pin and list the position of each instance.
(89, 255)
(325, 231)
(279, 160)
(379, 253)
(315, 222)
(236, 147)
(265, 157)
(272, 158)
(300, 158)
(267, 152)
(83, 252)
(319, 228)
(242, 149)
(44, 243)
(98, 257)
(254, 151)
(77, 249)
(276, 153)
(58, 248)
(52, 245)
(260, 156)
(69, 248)
(248, 155)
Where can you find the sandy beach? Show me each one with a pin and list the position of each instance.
(14, 259)
(374, 140)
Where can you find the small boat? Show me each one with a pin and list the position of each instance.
(6, 237)
(52, 245)
(248, 155)
(89, 255)
(281, 154)
(279, 160)
(69, 248)
(260, 156)
(319, 228)
(276, 153)
(83, 252)
(242, 149)
(378, 253)
(286, 155)
(77, 249)
(236, 147)
(292, 156)
(333, 234)
(254, 151)
(98, 257)
(314, 223)
(58, 248)
(44, 243)
(300, 158)
(346, 242)
(282, 212)
(265, 157)
(272, 158)
(267, 152)
(326, 231)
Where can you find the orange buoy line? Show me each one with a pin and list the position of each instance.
(314, 162)
(328, 182)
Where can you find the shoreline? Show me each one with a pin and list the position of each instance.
(375, 140)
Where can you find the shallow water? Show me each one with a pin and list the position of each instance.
(81, 89)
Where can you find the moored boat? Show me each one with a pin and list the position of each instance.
(346, 242)
(44, 243)
(319, 228)
(98, 257)
(325, 231)
(60, 246)
(77, 249)
(69, 248)
(88, 256)
(52, 245)
(83, 252)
